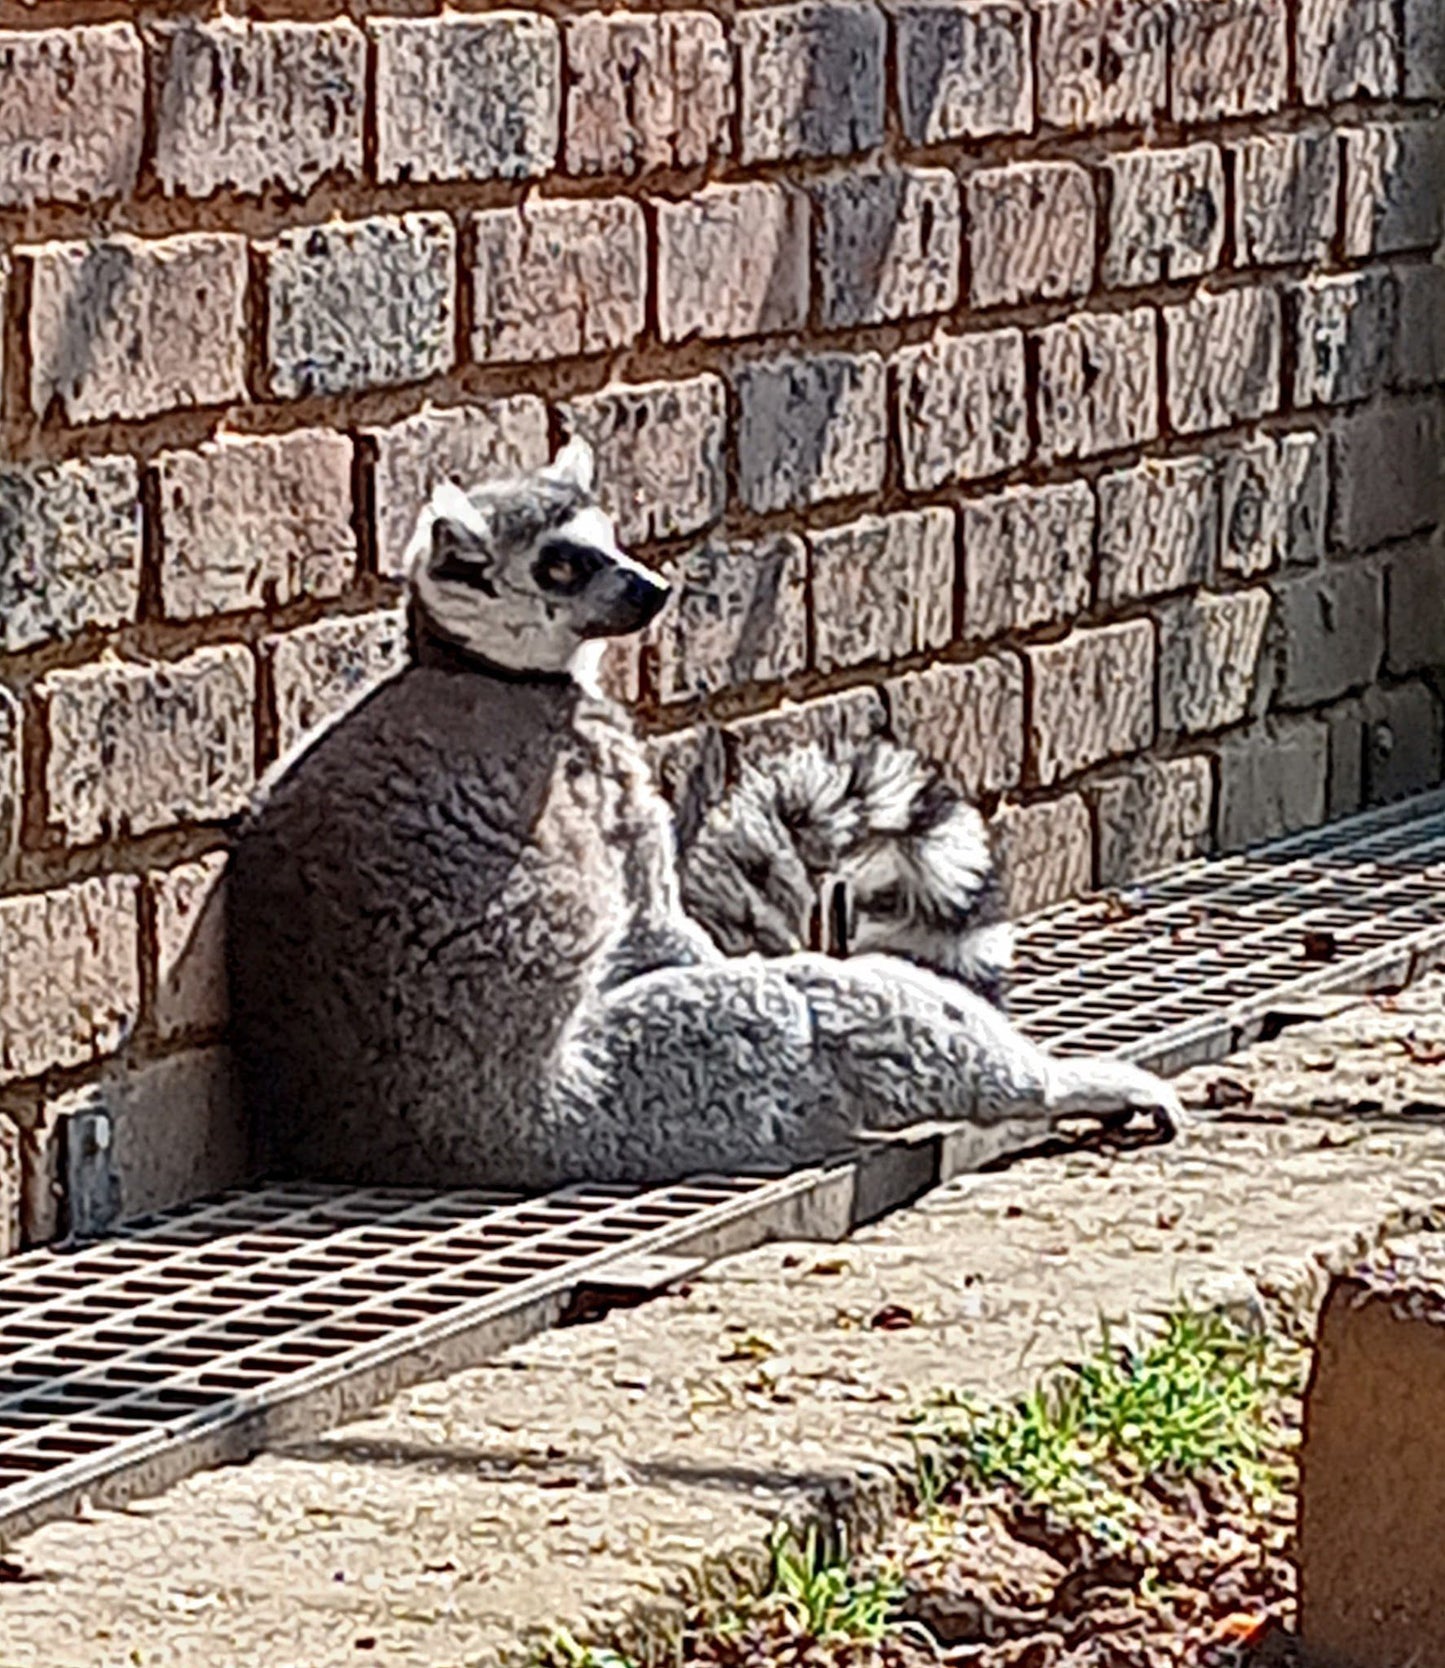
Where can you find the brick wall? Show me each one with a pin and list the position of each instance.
(1058, 384)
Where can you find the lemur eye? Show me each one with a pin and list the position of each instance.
(885, 903)
(565, 568)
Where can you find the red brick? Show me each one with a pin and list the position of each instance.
(1046, 852)
(1228, 58)
(320, 670)
(646, 91)
(888, 244)
(1345, 335)
(12, 775)
(1211, 658)
(962, 407)
(1272, 781)
(248, 522)
(1347, 49)
(1387, 474)
(163, 325)
(1092, 698)
(557, 278)
(883, 588)
(187, 906)
(1027, 557)
(72, 113)
(1158, 528)
(1098, 383)
(1223, 358)
(1286, 197)
(1102, 63)
(1393, 199)
(732, 261)
(965, 68)
(1154, 815)
(811, 78)
(1166, 215)
(969, 718)
(1031, 232)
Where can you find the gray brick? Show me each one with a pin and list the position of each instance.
(883, 588)
(1166, 215)
(1027, 557)
(70, 548)
(812, 79)
(1223, 358)
(1153, 816)
(888, 245)
(1424, 49)
(1092, 698)
(1389, 473)
(466, 98)
(1212, 660)
(1272, 781)
(1252, 507)
(1420, 344)
(1393, 198)
(251, 521)
(467, 444)
(1405, 742)
(1102, 63)
(12, 775)
(1228, 58)
(161, 324)
(1347, 49)
(1305, 480)
(740, 618)
(1098, 383)
(1286, 197)
(246, 106)
(1046, 852)
(1345, 780)
(659, 449)
(811, 429)
(962, 408)
(139, 747)
(1415, 628)
(72, 113)
(187, 906)
(732, 260)
(320, 670)
(1344, 337)
(556, 278)
(646, 91)
(1333, 633)
(964, 69)
(970, 719)
(1158, 528)
(1031, 232)
(360, 305)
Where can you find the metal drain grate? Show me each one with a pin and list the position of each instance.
(1187, 967)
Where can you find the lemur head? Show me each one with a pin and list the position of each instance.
(525, 574)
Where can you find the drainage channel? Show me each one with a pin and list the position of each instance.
(204, 1333)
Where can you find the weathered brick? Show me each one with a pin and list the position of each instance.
(70, 548)
(12, 1186)
(1344, 337)
(135, 747)
(883, 588)
(360, 304)
(1228, 58)
(12, 774)
(1420, 343)
(1030, 232)
(1393, 198)
(1252, 507)
(1027, 557)
(812, 79)
(1158, 528)
(646, 91)
(72, 113)
(968, 718)
(740, 617)
(1345, 777)
(248, 521)
(466, 98)
(1286, 197)
(850, 717)
(1092, 698)
(1166, 215)
(69, 975)
(1102, 63)
(187, 907)
(811, 429)
(1347, 49)
(1223, 358)
(246, 106)
(1415, 628)
(732, 260)
(888, 245)
(962, 408)
(1389, 473)
(556, 278)
(1424, 49)
(1272, 781)
(468, 444)
(320, 670)
(659, 449)
(1405, 741)
(1212, 660)
(964, 68)
(1332, 628)
(1098, 383)
(126, 328)
(1155, 815)
(1305, 482)
(1045, 851)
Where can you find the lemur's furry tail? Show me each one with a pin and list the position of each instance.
(917, 866)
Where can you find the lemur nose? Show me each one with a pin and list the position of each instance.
(646, 596)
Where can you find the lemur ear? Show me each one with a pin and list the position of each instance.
(459, 546)
(574, 464)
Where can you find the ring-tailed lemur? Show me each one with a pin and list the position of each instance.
(458, 950)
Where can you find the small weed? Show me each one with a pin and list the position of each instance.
(565, 1651)
(824, 1597)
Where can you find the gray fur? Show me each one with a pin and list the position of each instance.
(459, 954)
